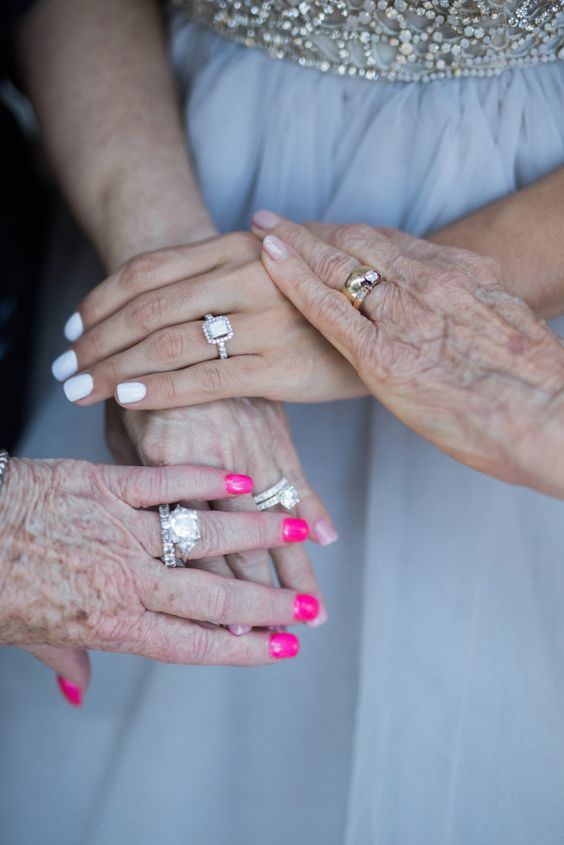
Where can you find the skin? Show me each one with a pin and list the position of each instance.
(441, 342)
(102, 587)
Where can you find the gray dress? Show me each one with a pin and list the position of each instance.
(430, 709)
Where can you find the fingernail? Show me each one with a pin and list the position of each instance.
(238, 484)
(73, 327)
(65, 365)
(306, 607)
(131, 391)
(78, 387)
(276, 248)
(295, 530)
(325, 534)
(240, 630)
(320, 619)
(283, 646)
(265, 219)
(71, 692)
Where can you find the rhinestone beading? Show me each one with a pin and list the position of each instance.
(394, 40)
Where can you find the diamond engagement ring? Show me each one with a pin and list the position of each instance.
(218, 330)
(180, 528)
(282, 493)
(360, 283)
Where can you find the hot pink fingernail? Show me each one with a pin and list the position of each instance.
(324, 532)
(276, 248)
(71, 692)
(265, 219)
(240, 630)
(306, 607)
(283, 646)
(320, 619)
(295, 530)
(238, 484)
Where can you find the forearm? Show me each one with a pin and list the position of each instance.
(525, 233)
(99, 78)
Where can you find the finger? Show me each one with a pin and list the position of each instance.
(226, 533)
(173, 640)
(166, 350)
(143, 487)
(70, 664)
(246, 375)
(193, 594)
(147, 272)
(247, 565)
(215, 565)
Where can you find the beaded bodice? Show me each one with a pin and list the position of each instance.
(394, 39)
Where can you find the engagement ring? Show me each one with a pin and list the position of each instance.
(218, 330)
(282, 493)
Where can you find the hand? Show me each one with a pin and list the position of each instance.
(242, 435)
(145, 323)
(441, 343)
(79, 566)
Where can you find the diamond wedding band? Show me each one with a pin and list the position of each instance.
(180, 528)
(282, 493)
(218, 330)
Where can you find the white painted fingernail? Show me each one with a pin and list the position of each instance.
(74, 327)
(65, 365)
(78, 387)
(240, 630)
(131, 391)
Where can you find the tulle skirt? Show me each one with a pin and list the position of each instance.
(430, 708)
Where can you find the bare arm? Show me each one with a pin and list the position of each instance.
(99, 78)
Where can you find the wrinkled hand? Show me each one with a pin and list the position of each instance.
(144, 323)
(441, 343)
(79, 567)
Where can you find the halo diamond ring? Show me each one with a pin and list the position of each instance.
(218, 330)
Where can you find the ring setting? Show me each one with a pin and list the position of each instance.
(179, 528)
(218, 330)
(282, 493)
(360, 283)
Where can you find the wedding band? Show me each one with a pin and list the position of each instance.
(180, 528)
(360, 283)
(4, 460)
(218, 330)
(282, 493)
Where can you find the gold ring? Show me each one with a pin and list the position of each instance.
(360, 283)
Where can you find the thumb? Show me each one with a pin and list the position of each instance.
(70, 664)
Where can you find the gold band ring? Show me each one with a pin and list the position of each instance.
(360, 283)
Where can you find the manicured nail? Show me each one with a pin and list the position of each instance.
(295, 530)
(131, 391)
(65, 365)
(306, 607)
(74, 327)
(324, 532)
(283, 646)
(320, 619)
(78, 387)
(276, 248)
(71, 692)
(265, 219)
(240, 630)
(238, 484)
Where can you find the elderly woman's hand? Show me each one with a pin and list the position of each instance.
(441, 343)
(79, 566)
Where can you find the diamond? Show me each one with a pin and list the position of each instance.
(289, 498)
(218, 329)
(184, 528)
(371, 275)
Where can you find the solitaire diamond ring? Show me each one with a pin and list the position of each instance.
(360, 283)
(180, 528)
(282, 493)
(218, 330)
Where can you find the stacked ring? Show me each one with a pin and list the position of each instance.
(282, 493)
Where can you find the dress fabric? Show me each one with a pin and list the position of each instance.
(430, 710)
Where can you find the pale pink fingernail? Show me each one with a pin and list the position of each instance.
(265, 219)
(283, 646)
(306, 607)
(295, 530)
(71, 692)
(238, 484)
(325, 534)
(320, 619)
(276, 248)
(240, 630)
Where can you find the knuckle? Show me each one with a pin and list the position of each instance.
(333, 265)
(219, 604)
(243, 243)
(168, 346)
(212, 378)
(351, 234)
(146, 312)
(140, 270)
(201, 645)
